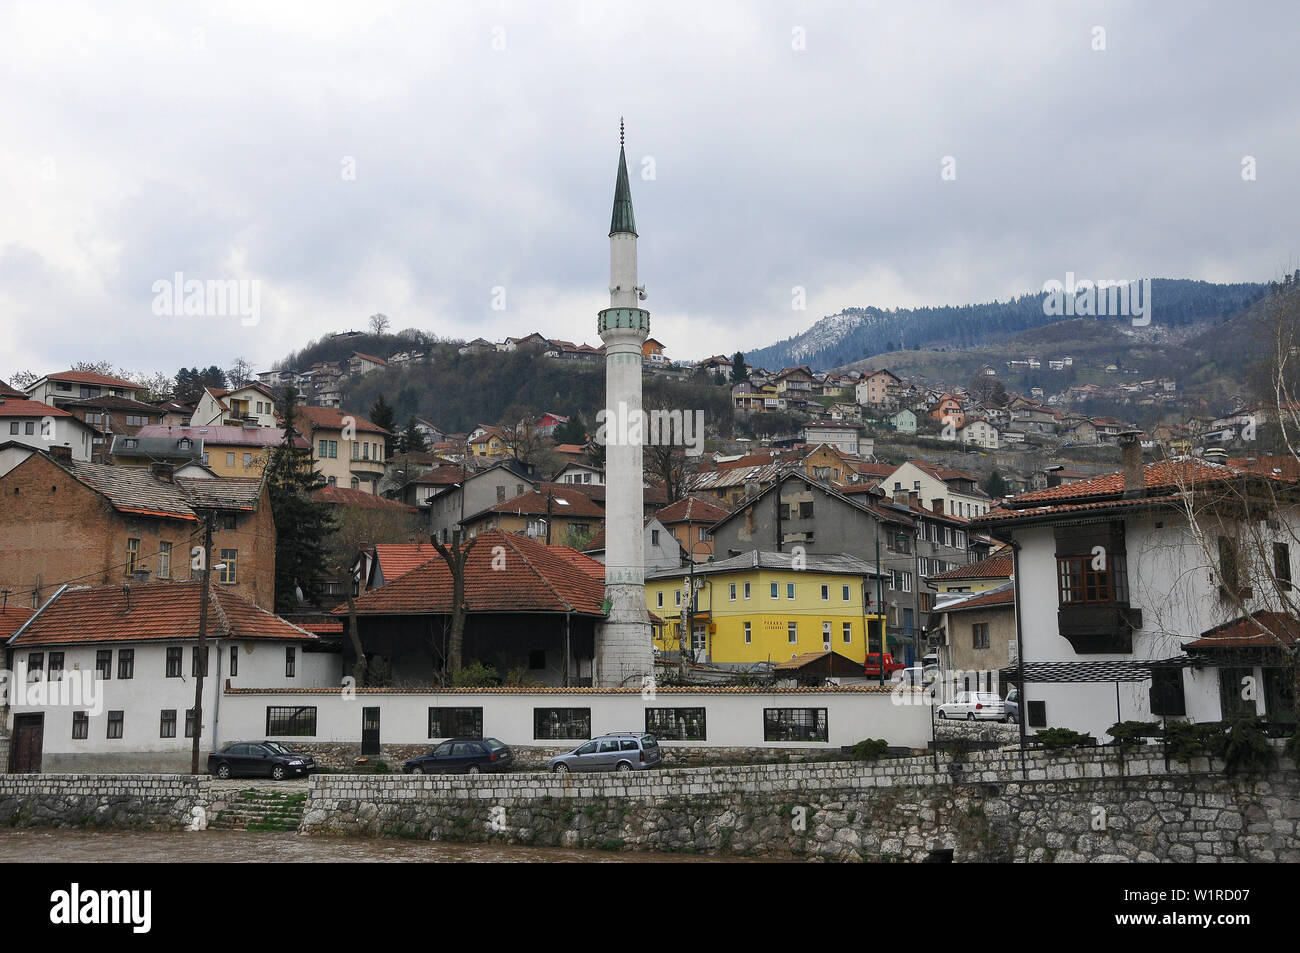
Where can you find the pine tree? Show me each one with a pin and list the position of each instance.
(383, 415)
(739, 372)
(302, 524)
(412, 438)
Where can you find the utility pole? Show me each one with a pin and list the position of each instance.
(203, 642)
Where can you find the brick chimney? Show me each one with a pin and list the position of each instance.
(900, 497)
(61, 453)
(937, 504)
(1130, 445)
(914, 498)
(1053, 476)
(163, 471)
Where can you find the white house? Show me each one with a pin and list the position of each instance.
(580, 473)
(980, 432)
(252, 404)
(1122, 615)
(842, 435)
(662, 549)
(104, 676)
(955, 490)
(41, 426)
(64, 386)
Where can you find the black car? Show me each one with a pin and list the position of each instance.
(463, 756)
(260, 759)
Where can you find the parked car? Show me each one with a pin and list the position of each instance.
(259, 759)
(974, 705)
(618, 751)
(463, 756)
(914, 676)
(1012, 705)
(871, 668)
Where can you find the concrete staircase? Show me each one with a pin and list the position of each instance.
(258, 809)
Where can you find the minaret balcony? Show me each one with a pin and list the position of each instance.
(635, 319)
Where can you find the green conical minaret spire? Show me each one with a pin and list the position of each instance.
(622, 220)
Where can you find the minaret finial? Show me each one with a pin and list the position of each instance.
(620, 132)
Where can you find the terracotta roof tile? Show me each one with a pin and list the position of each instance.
(692, 509)
(534, 579)
(89, 377)
(13, 407)
(308, 418)
(11, 617)
(995, 567)
(157, 611)
(1266, 629)
(344, 496)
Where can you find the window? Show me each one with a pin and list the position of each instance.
(132, 554)
(230, 459)
(959, 539)
(826, 636)
(80, 725)
(29, 428)
(1077, 580)
(290, 721)
(167, 724)
(1167, 692)
(654, 537)
(230, 566)
(748, 635)
(234, 660)
(501, 493)
(194, 661)
(776, 590)
(792, 632)
(659, 599)
(126, 663)
(115, 724)
(248, 460)
(290, 661)
(677, 597)
(844, 593)
(1238, 688)
(56, 666)
(746, 590)
(35, 666)
(789, 590)
(104, 663)
(902, 581)
(675, 724)
(980, 635)
(229, 521)
(795, 724)
(1229, 571)
(13, 426)
(323, 449)
(164, 560)
(455, 722)
(806, 509)
(561, 723)
(173, 661)
(826, 593)
(1282, 566)
(847, 630)
(731, 590)
(355, 483)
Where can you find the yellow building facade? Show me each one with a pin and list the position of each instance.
(768, 613)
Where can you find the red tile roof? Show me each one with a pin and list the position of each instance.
(7, 391)
(307, 419)
(692, 509)
(13, 407)
(1003, 596)
(342, 496)
(566, 502)
(534, 579)
(995, 567)
(11, 617)
(89, 377)
(157, 611)
(1266, 629)
(397, 559)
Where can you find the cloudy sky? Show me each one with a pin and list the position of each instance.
(413, 158)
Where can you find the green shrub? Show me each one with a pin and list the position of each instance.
(1055, 739)
(870, 749)
(475, 675)
(1129, 733)
(1187, 740)
(1247, 750)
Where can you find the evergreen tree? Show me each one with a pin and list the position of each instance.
(995, 486)
(570, 432)
(383, 415)
(302, 525)
(739, 372)
(412, 438)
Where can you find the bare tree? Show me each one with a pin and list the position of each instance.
(379, 323)
(240, 373)
(23, 379)
(518, 426)
(455, 557)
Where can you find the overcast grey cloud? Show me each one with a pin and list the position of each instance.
(147, 139)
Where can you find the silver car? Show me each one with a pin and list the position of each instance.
(619, 751)
(974, 705)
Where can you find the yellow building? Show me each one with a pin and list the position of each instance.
(227, 451)
(768, 607)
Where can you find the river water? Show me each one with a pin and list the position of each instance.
(76, 846)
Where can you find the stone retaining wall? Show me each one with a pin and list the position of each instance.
(1076, 806)
(104, 800)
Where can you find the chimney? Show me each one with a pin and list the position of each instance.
(140, 575)
(900, 496)
(937, 504)
(61, 453)
(1053, 476)
(1131, 447)
(914, 498)
(163, 471)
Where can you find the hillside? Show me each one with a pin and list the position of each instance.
(858, 333)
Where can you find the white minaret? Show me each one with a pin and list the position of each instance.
(624, 653)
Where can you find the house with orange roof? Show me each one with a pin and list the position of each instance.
(553, 514)
(1126, 616)
(347, 449)
(59, 388)
(130, 654)
(688, 520)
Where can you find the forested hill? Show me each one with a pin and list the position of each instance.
(858, 333)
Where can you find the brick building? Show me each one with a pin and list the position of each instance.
(66, 521)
